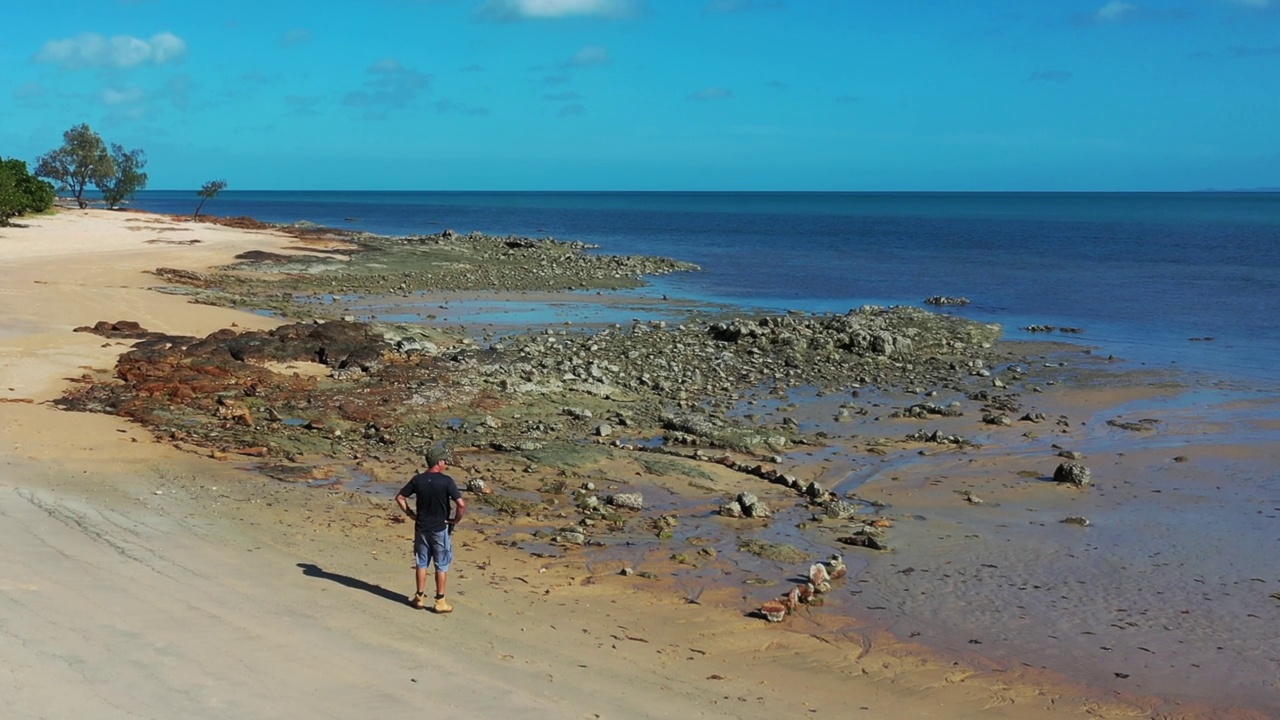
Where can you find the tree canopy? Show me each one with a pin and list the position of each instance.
(126, 177)
(21, 192)
(209, 191)
(83, 159)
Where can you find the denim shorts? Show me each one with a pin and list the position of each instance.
(437, 547)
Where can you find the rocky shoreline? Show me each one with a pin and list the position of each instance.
(669, 449)
(550, 401)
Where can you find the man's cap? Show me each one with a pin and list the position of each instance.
(435, 454)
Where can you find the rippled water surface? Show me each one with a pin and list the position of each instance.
(1141, 273)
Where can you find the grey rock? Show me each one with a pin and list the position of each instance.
(571, 538)
(627, 501)
(1073, 473)
(945, 301)
(840, 509)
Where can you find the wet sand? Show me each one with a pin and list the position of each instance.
(218, 590)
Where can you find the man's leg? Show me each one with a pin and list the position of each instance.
(442, 579)
(421, 557)
(442, 556)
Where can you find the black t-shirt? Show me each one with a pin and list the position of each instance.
(434, 491)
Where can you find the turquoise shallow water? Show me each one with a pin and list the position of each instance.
(1142, 273)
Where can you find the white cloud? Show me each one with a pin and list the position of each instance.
(122, 96)
(551, 9)
(590, 55)
(1114, 10)
(90, 50)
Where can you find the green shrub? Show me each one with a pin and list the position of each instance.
(21, 193)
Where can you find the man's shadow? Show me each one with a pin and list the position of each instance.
(315, 571)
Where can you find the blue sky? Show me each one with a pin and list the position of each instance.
(657, 94)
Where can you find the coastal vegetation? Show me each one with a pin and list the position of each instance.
(84, 160)
(208, 191)
(127, 177)
(21, 193)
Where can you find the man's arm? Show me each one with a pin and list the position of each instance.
(403, 502)
(462, 510)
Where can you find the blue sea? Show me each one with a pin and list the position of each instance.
(1142, 273)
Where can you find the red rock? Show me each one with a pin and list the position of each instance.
(774, 611)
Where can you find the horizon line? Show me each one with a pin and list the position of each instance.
(1262, 190)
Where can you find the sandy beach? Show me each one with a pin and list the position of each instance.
(147, 579)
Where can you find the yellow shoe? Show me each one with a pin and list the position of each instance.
(443, 606)
(419, 601)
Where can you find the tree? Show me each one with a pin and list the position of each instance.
(126, 177)
(209, 192)
(20, 191)
(82, 159)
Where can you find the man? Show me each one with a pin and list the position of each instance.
(433, 526)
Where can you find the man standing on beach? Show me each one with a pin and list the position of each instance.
(433, 526)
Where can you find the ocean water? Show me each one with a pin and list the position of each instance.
(1142, 273)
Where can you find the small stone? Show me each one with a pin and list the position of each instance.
(571, 538)
(627, 501)
(731, 510)
(603, 430)
(774, 611)
(840, 509)
(626, 572)
(1073, 473)
(1076, 520)
(819, 578)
